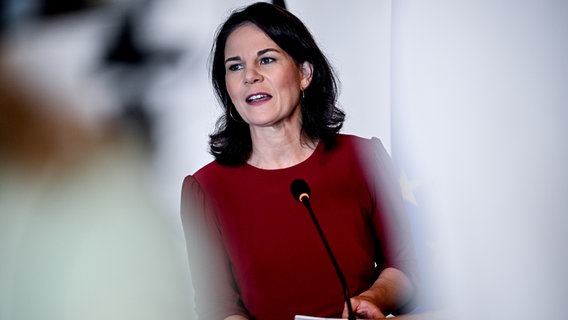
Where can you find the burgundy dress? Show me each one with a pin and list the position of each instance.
(254, 250)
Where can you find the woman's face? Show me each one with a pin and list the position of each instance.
(263, 81)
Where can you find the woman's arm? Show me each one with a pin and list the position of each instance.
(391, 290)
(395, 289)
(211, 277)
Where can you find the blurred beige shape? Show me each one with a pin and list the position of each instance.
(81, 233)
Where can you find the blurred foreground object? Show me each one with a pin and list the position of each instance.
(82, 235)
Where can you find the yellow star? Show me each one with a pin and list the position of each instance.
(407, 187)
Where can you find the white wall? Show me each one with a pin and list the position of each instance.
(481, 88)
(356, 38)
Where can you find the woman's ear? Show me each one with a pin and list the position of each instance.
(306, 72)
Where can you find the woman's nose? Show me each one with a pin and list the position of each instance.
(252, 75)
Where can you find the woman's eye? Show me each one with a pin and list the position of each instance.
(235, 67)
(266, 60)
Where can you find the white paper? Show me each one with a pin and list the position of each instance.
(301, 317)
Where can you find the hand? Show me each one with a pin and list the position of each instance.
(235, 317)
(363, 307)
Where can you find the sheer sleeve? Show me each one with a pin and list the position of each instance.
(216, 296)
(390, 218)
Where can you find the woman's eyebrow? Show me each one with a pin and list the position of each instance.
(259, 53)
(235, 58)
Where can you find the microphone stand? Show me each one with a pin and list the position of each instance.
(351, 316)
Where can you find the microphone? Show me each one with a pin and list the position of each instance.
(301, 192)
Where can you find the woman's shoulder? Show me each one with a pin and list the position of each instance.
(213, 173)
(202, 179)
(354, 141)
(210, 171)
(367, 150)
(207, 169)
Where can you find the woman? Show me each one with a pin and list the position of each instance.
(254, 252)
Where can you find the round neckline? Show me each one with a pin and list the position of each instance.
(297, 165)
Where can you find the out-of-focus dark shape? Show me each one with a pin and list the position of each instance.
(3, 16)
(52, 8)
(124, 48)
(138, 64)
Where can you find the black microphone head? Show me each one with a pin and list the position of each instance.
(300, 190)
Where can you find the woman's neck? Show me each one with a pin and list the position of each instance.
(279, 150)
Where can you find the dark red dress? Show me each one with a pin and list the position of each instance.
(254, 249)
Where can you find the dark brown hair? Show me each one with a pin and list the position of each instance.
(322, 120)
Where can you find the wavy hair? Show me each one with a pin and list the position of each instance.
(322, 120)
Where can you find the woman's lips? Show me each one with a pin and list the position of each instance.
(257, 97)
